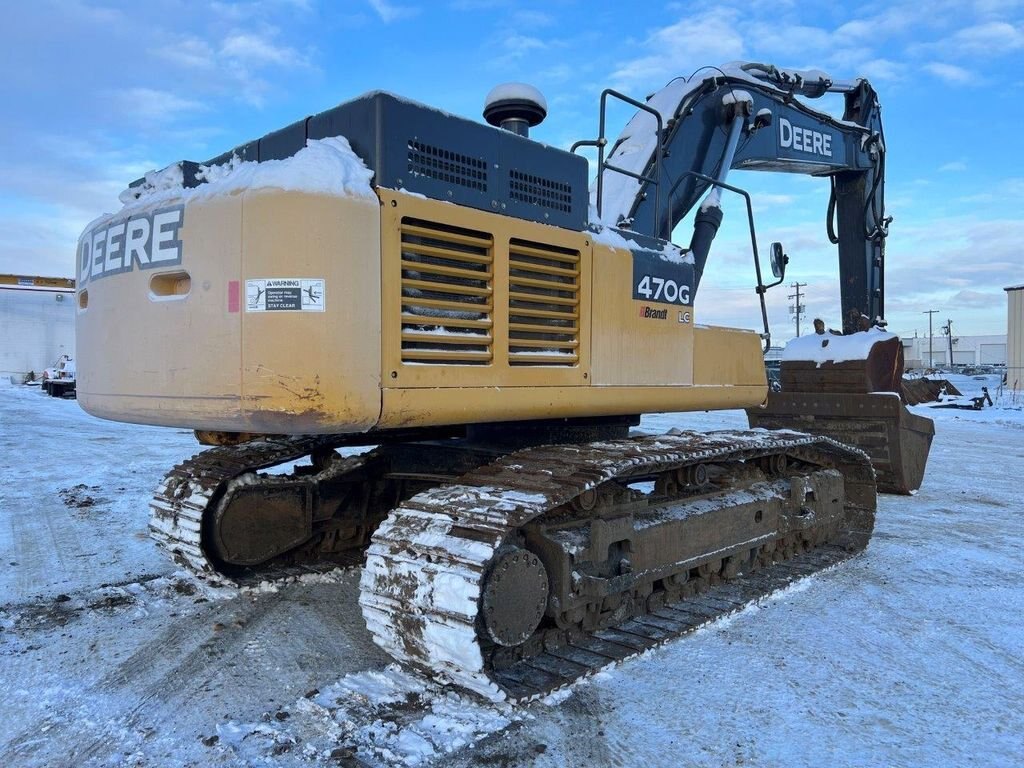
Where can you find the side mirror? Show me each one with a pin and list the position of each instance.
(779, 260)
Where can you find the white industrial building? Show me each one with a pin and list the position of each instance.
(933, 351)
(37, 323)
(1015, 338)
(920, 352)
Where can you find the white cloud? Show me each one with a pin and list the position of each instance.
(516, 47)
(253, 49)
(793, 42)
(247, 11)
(978, 197)
(561, 73)
(532, 19)
(724, 34)
(692, 42)
(476, 5)
(995, 7)
(881, 69)
(884, 22)
(956, 165)
(980, 299)
(188, 52)
(149, 105)
(772, 200)
(949, 72)
(989, 39)
(238, 64)
(858, 30)
(41, 242)
(389, 12)
(915, 251)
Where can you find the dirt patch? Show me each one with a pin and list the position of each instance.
(112, 601)
(62, 609)
(80, 496)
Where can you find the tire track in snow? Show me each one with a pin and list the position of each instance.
(178, 664)
(186, 680)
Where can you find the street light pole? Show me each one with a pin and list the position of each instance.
(931, 356)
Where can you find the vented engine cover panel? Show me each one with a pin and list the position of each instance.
(424, 150)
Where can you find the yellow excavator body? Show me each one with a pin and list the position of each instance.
(525, 321)
(458, 299)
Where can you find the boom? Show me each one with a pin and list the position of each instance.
(746, 116)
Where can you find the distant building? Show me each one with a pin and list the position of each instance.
(967, 350)
(37, 323)
(1015, 337)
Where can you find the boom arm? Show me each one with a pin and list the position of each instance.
(746, 116)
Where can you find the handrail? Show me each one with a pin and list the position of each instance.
(761, 287)
(602, 141)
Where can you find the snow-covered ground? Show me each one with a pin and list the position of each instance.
(911, 654)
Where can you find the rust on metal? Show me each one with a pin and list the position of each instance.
(917, 391)
(859, 403)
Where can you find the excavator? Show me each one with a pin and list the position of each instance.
(418, 342)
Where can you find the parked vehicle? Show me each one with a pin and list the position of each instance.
(59, 381)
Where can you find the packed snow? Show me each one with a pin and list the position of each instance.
(605, 234)
(820, 348)
(324, 166)
(713, 200)
(908, 655)
(515, 92)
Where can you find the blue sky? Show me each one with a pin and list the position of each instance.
(95, 94)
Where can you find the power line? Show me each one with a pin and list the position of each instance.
(797, 308)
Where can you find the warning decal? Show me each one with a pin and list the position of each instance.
(284, 294)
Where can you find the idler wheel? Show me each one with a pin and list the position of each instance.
(514, 596)
(774, 465)
(693, 474)
(587, 500)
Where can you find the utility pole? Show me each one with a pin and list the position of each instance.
(931, 356)
(797, 308)
(947, 329)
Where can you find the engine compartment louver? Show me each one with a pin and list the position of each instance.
(543, 304)
(447, 294)
(447, 166)
(537, 190)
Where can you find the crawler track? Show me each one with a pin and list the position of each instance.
(424, 583)
(194, 487)
(577, 655)
(424, 578)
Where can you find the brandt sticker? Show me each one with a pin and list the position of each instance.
(284, 294)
